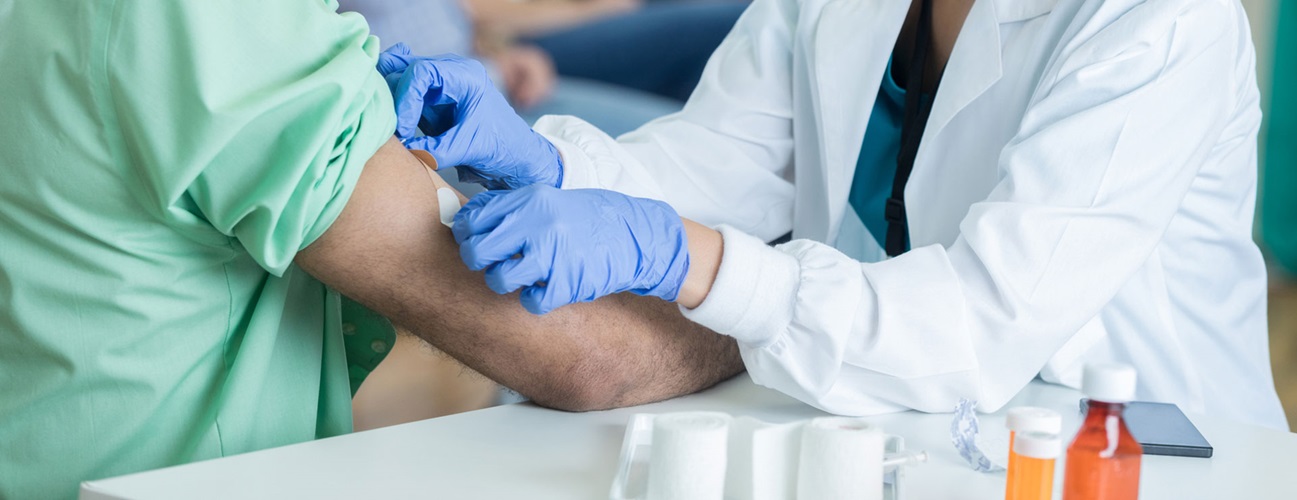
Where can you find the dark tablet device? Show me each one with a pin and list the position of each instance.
(1162, 429)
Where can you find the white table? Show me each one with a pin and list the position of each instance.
(523, 451)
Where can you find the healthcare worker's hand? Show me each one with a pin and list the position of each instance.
(467, 123)
(563, 247)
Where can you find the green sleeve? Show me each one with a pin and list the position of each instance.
(245, 119)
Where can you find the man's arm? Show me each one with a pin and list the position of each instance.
(388, 251)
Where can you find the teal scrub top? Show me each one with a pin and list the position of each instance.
(876, 166)
(1278, 205)
(162, 163)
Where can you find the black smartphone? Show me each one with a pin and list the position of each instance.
(1162, 429)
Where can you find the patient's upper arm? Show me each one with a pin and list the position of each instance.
(387, 229)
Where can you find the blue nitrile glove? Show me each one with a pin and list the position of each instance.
(467, 122)
(393, 61)
(573, 246)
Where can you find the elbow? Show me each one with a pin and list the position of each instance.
(581, 400)
(605, 380)
(588, 384)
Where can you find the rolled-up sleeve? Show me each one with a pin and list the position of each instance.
(248, 120)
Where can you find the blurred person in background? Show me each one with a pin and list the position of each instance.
(524, 72)
(659, 47)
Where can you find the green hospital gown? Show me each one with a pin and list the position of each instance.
(161, 164)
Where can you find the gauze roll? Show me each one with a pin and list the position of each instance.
(762, 463)
(841, 458)
(687, 461)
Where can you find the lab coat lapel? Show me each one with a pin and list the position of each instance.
(853, 40)
(974, 66)
(974, 69)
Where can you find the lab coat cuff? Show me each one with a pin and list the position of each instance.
(578, 167)
(754, 293)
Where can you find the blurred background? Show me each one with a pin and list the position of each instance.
(1274, 28)
(621, 63)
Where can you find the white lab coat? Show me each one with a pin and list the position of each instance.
(1084, 192)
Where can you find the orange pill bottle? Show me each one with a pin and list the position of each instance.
(1031, 466)
(1028, 419)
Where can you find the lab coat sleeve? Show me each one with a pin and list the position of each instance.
(1116, 134)
(726, 157)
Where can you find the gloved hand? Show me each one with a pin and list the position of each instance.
(467, 123)
(574, 246)
(393, 61)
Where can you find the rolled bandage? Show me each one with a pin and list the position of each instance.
(448, 203)
(841, 458)
(687, 460)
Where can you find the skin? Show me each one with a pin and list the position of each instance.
(947, 19)
(388, 251)
(528, 73)
(416, 382)
(508, 18)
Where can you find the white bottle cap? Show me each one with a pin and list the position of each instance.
(1033, 419)
(1109, 382)
(1037, 445)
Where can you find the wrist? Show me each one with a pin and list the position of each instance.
(558, 163)
(705, 247)
(664, 261)
(552, 173)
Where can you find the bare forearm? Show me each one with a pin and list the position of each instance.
(617, 351)
(536, 18)
(621, 350)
